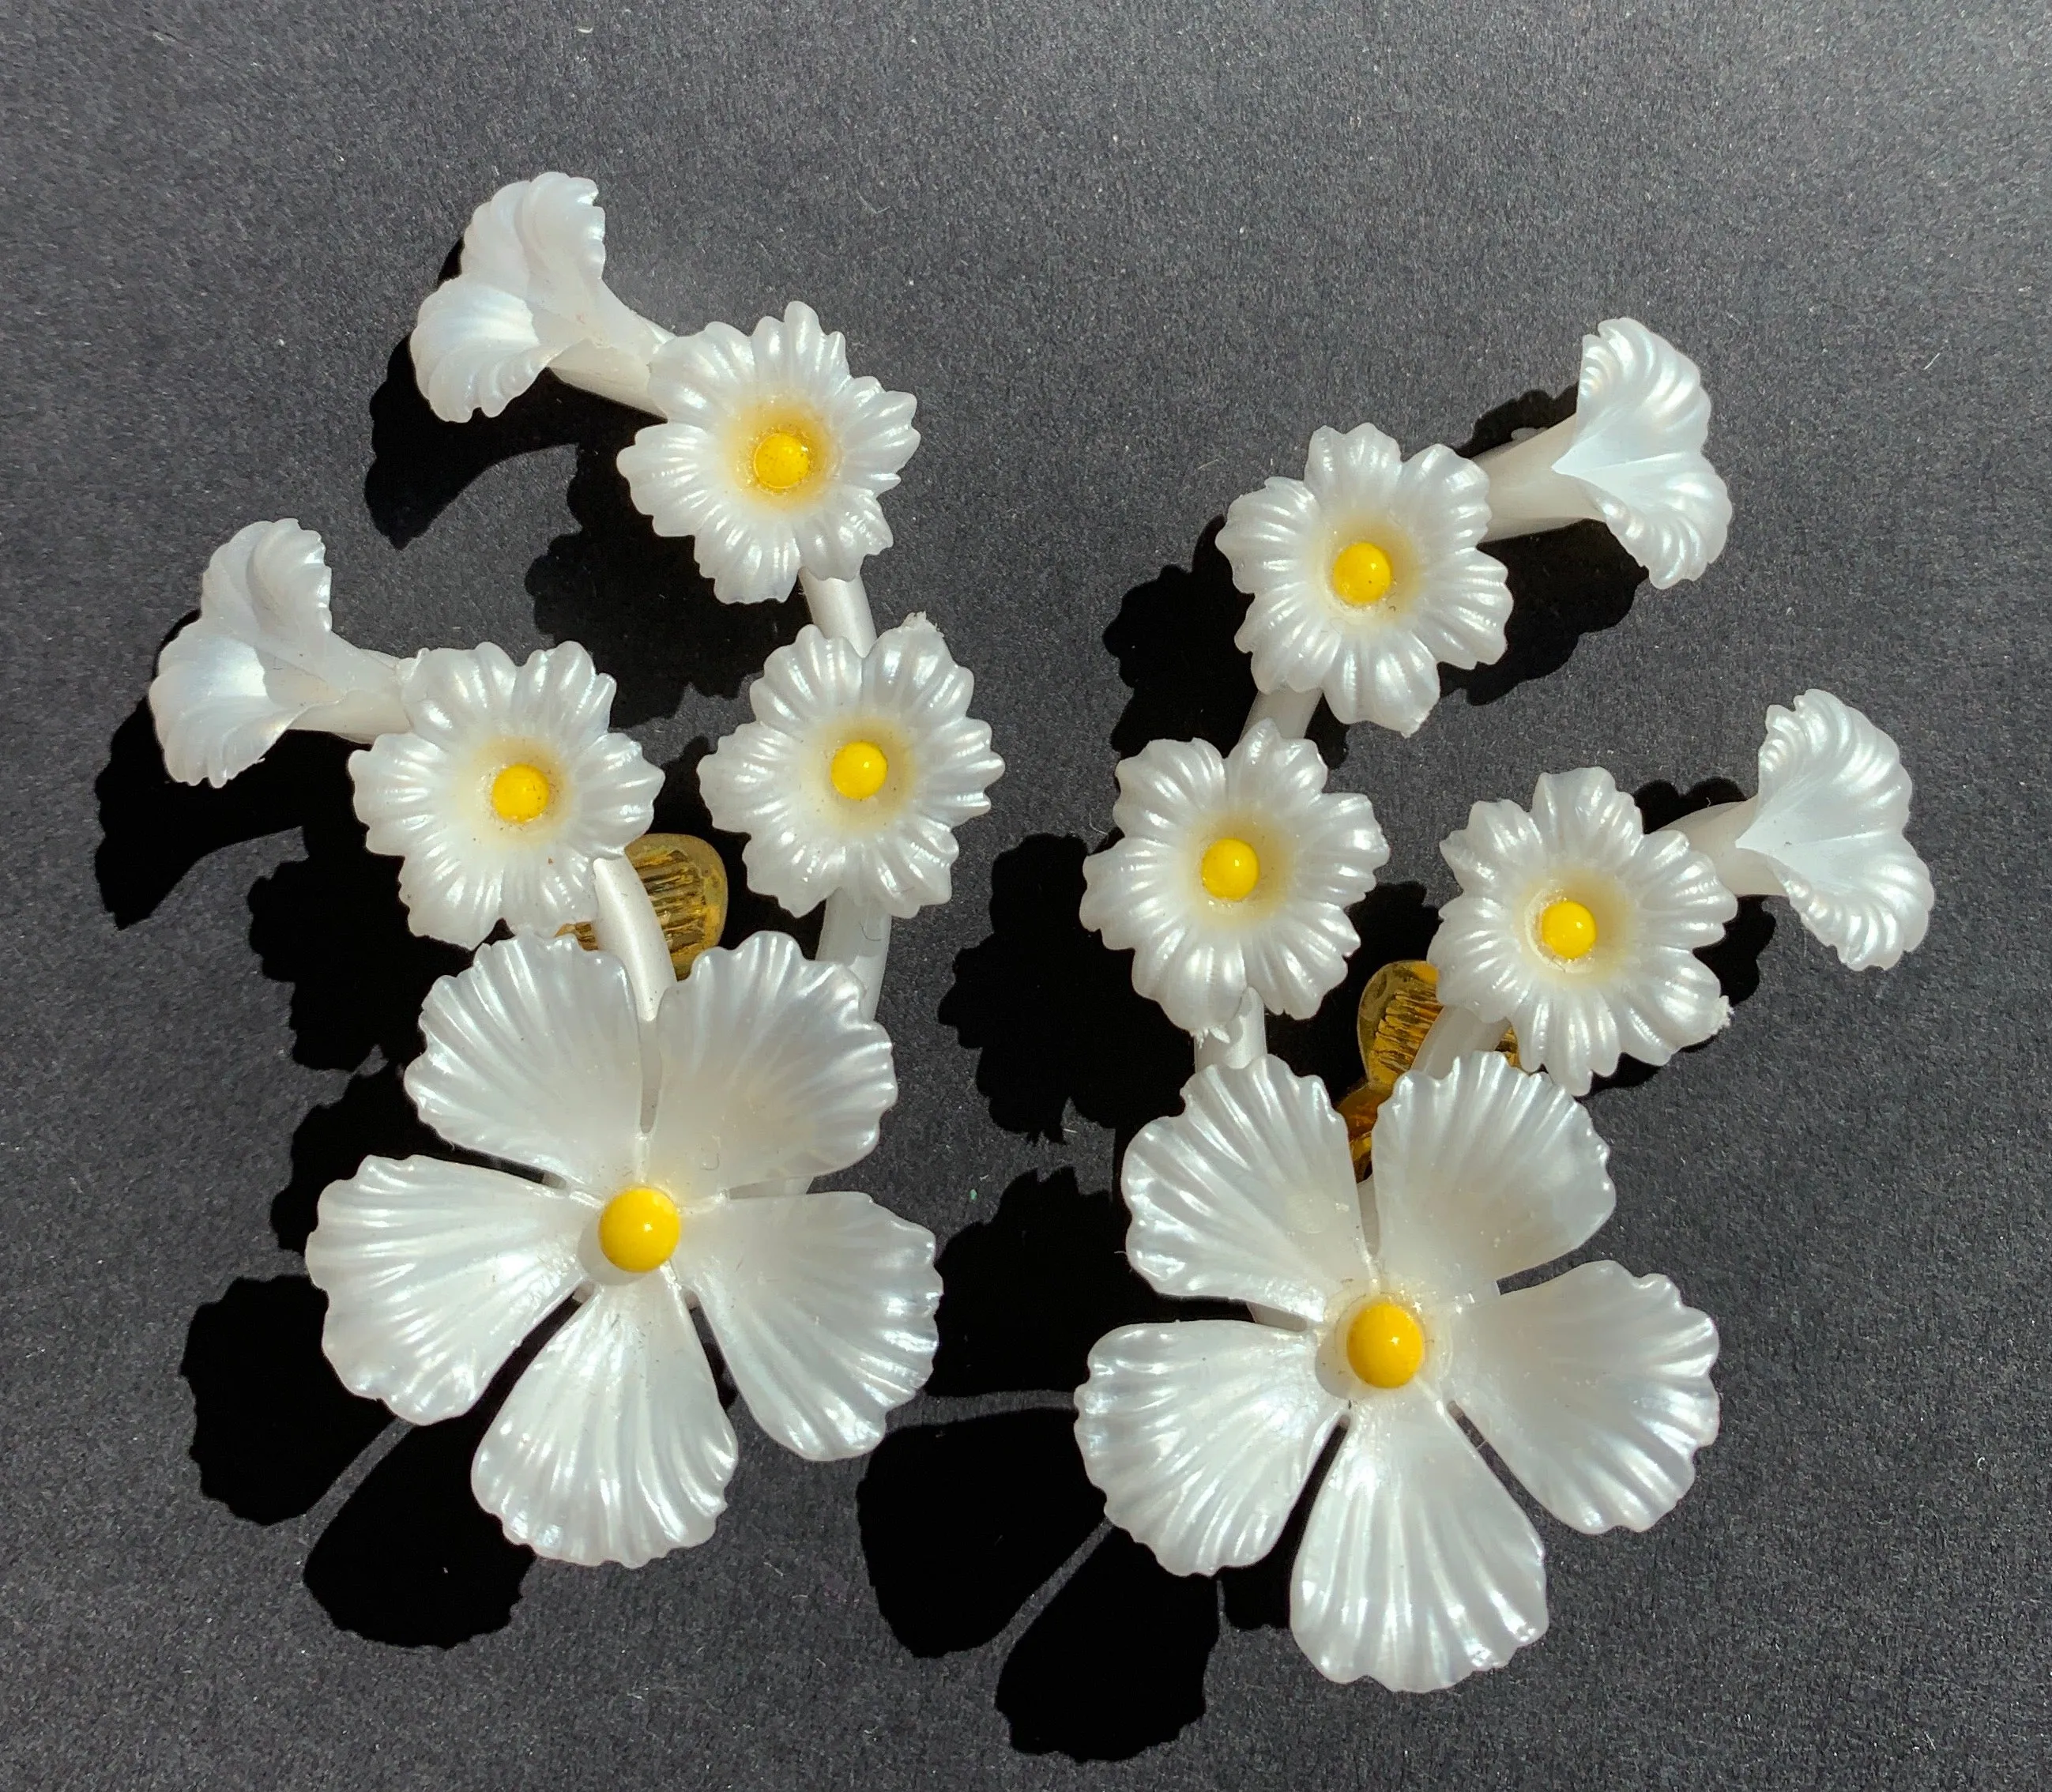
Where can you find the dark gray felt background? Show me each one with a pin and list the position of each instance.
(1128, 257)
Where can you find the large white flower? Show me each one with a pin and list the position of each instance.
(531, 294)
(1236, 873)
(506, 786)
(1365, 577)
(1417, 1566)
(773, 457)
(262, 657)
(613, 1446)
(855, 771)
(1826, 831)
(1632, 454)
(1581, 929)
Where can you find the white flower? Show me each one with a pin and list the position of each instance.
(506, 787)
(1826, 830)
(773, 457)
(532, 293)
(1366, 576)
(262, 657)
(1581, 929)
(1235, 873)
(1417, 1566)
(1631, 454)
(613, 1446)
(855, 771)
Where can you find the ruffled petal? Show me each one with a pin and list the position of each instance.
(1595, 1389)
(434, 1272)
(823, 1305)
(1247, 1194)
(532, 1055)
(1417, 1567)
(1202, 1434)
(612, 1446)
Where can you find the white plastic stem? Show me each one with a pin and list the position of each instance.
(627, 927)
(609, 370)
(1291, 710)
(1456, 1031)
(841, 607)
(1715, 831)
(1245, 1040)
(1526, 495)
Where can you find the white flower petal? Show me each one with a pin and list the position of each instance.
(823, 1305)
(1482, 1173)
(1247, 1194)
(1417, 1566)
(1833, 801)
(1202, 1435)
(532, 1055)
(769, 1071)
(612, 1446)
(1641, 419)
(1595, 1389)
(434, 1272)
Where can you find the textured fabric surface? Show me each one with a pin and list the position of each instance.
(1128, 257)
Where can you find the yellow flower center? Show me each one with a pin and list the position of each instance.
(859, 770)
(1231, 869)
(782, 459)
(520, 793)
(1361, 574)
(1566, 930)
(639, 1229)
(1385, 1344)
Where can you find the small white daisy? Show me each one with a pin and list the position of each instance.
(504, 789)
(262, 657)
(855, 771)
(1365, 577)
(773, 456)
(531, 294)
(1235, 873)
(613, 1446)
(1417, 1567)
(1632, 454)
(1581, 929)
(1826, 831)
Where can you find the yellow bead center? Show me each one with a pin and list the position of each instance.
(1361, 574)
(859, 770)
(1566, 930)
(639, 1229)
(520, 793)
(1231, 869)
(1385, 1344)
(782, 460)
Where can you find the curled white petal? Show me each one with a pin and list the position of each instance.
(1202, 1435)
(434, 1272)
(772, 778)
(612, 1446)
(824, 1305)
(1447, 602)
(426, 795)
(1833, 801)
(724, 393)
(1288, 939)
(532, 289)
(1654, 900)
(1595, 1389)
(262, 656)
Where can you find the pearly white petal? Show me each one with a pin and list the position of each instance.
(1247, 1194)
(1202, 1434)
(612, 1446)
(1595, 1389)
(1417, 1567)
(434, 1272)
(823, 1305)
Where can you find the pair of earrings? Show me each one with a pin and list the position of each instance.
(664, 1104)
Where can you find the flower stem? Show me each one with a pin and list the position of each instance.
(627, 927)
(857, 935)
(1291, 710)
(841, 607)
(1244, 1041)
(1714, 832)
(1456, 1031)
(1526, 495)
